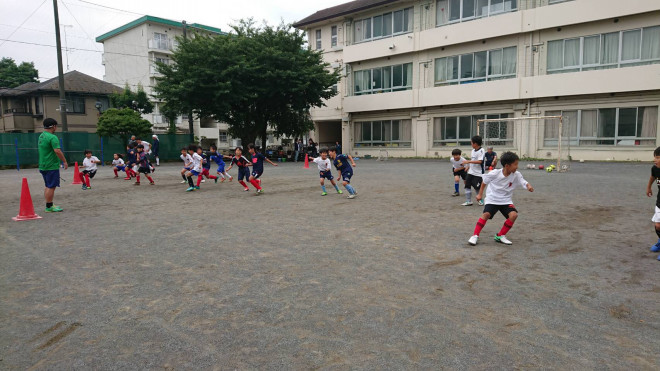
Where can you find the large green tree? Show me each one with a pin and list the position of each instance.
(254, 78)
(137, 100)
(122, 123)
(13, 75)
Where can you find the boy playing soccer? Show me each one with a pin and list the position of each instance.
(117, 164)
(324, 171)
(206, 164)
(143, 165)
(490, 159)
(131, 159)
(89, 164)
(457, 169)
(220, 160)
(475, 171)
(187, 162)
(257, 167)
(243, 164)
(500, 184)
(655, 177)
(195, 168)
(344, 169)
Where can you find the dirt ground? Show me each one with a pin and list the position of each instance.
(153, 277)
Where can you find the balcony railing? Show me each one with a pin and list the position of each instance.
(18, 110)
(163, 44)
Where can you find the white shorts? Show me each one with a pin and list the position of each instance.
(656, 216)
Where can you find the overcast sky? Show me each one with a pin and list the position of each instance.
(84, 21)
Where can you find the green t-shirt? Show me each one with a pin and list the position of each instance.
(48, 160)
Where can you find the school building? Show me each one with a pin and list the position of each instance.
(416, 75)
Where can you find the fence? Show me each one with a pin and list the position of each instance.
(21, 149)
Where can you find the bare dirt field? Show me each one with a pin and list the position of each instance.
(153, 277)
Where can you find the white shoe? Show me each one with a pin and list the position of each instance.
(203, 180)
(473, 240)
(503, 239)
(184, 181)
(351, 197)
(466, 203)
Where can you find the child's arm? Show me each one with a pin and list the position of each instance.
(480, 196)
(649, 189)
(530, 188)
(270, 162)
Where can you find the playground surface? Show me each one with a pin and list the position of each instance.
(153, 277)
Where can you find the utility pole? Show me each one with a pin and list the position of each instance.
(60, 70)
(190, 114)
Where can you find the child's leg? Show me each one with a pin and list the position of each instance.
(87, 180)
(508, 223)
(334, 184)
(183, 174)
(199, 179)
(468, 192)
(348, 187)
(657, 231)
(229, 176)
(151, 180)
(323, 185)
(137, 178)
(115, 170)
(457, 179)
(481, 223)
(254, 182)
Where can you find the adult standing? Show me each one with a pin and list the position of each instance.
(155, 147)
(50, 156)
(297, 146)
(338, 148)
(132, 141)
(312, 146)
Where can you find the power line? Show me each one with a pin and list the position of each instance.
(79, 49)
(22, 23)
(109, 7)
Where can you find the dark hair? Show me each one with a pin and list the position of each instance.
(456, 152)
(332, 149)
(138, 138)
(251, 146)
(184, 149)
(476, 140)
(239, 148)
(119, 155)
(140, 146)
(656, 152)
(323, 150)
(131, 145)
(87, 151)
(49, 123)
(213, 146)
(508, 158)
(192, 147)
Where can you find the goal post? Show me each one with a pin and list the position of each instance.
(550, 132)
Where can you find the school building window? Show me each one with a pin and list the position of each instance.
(383, 25)
(626, 126)
(458, 130)
(611, 50)
(452, 11)
(383, 79)
(333, 36)
(488, 65)
(75, 104)
(388, 133)
(318, 39)
(222, 137)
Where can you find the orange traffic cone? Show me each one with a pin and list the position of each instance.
(26, 211)
(76, 175)
(306, 161)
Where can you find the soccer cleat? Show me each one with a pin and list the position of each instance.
(223, 180)
(324, 194)
(456, 194)
(231, 178)
(339, 191)
(184, 181)
(216, 180)
(503, 239)
(203, 180)
(53, 209)
(116, 176)
(136, 183)
(151, 183)
(89, 187)
(190, 189)
(351, 197)
(260, 191)
(84, 187)
(658, 257)
(127, 178)
(247, 189)
(196, 187)
(480, 202)
(473, 240)
(466, 203)
(656, 247)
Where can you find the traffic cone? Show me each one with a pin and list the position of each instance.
(26, 211)
(306, 161)
(76, 175)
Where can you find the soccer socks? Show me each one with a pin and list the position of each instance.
(213, 177)
(481, 223)
(506, 227)
(336, 188)
(199, 180)
(184, 176)
(243, 183)
(323, 188)
(190, 181)
(115, 170)
(468, 195)
(87, 180)
(456, 187)
(350, 189)
(657, 231)
(137, 179)
(151, 180)
(255, 183)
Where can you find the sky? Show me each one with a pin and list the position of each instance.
(31, 21)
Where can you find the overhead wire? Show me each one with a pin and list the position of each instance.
(22, 23)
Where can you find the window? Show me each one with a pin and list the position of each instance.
(162, 60)
(335, 88)
(38, 106)
(388, 133)
(383, 79)
(105, 103)
(476, 67)
(318, 39)
(161, 41)
(611, 50)
(75, 104)
(626, 126)
(457, 130)
(383, 25)
(452, 11)
(222, 137)
(333, 36)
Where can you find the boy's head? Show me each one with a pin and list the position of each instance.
(213, 148)
(199, 150)
(192, 149)
(251, 149)
(184, 150)
(509, 161)
(476, 142)
(139, 140)
(132, 137)
(140, 148)
(115, 156)
(131, 146)
(456, 153)
(656, 155)
(238, 151)
(332, 153)
(489, 149)
(324, 153)
(88, 153)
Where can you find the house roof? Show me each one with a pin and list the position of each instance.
(149, 18)
(74, 82)
(341, 10)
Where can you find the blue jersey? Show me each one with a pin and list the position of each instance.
(218, 158)
(342, 164)
(258, 163)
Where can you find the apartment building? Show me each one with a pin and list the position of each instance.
(130, 55)
(417, 75)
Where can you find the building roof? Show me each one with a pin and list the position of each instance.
(341, 10)
(149, 18)
(74, 82)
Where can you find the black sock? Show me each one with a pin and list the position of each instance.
(190, 181)
(657, 231)
(50, 204)
(183, 176)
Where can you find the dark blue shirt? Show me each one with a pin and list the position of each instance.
(132, 156)
(342, 163)
(207, 163)
(258, 163)
(488, 157)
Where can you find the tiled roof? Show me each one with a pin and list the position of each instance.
(341, 10)
(74, 82)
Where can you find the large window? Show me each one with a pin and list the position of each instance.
(457, 130)
(161, 41)
(318, 39)
(476, 67)
(383, 25)
(333, 36)
(222, 137)
(388, 133)
(383, 79)
(611, 50)
(629, 126)
(75, 104)
(452, 11)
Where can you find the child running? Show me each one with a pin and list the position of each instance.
(195, 169)
(501, 183)
(475, 171)
(324, 171)
(257, 167)
(143, 165)
(206, 164)
(89, 164)
(242, 163)
(458, 169)
(220, 160)
(187, 162)
(655, 177)
(344, 169)
(118, 164)
(131, 160)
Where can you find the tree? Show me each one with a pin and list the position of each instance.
(171, 115)
(253, 79)
(138, 101)
(12, 75)
(122, 123)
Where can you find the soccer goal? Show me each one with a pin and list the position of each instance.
(532, 136)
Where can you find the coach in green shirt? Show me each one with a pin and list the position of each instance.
(50, 156)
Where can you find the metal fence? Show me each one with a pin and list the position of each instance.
(21, 149)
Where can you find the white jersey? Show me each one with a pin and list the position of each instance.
(457, 164)
(89, 164)
(118, 162)
(324, 165)
(147, 146)
(187, 160)
(477, 169)
(500, 188)
(197, 162)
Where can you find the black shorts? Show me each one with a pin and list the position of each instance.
(472, 181)
(461, 173)
(90, 173)
(144, 170)
(504, 209)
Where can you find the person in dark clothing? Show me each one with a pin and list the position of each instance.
(155, 148)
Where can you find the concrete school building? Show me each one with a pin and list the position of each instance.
(417, 74)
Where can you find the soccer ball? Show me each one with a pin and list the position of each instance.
(549, 169)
